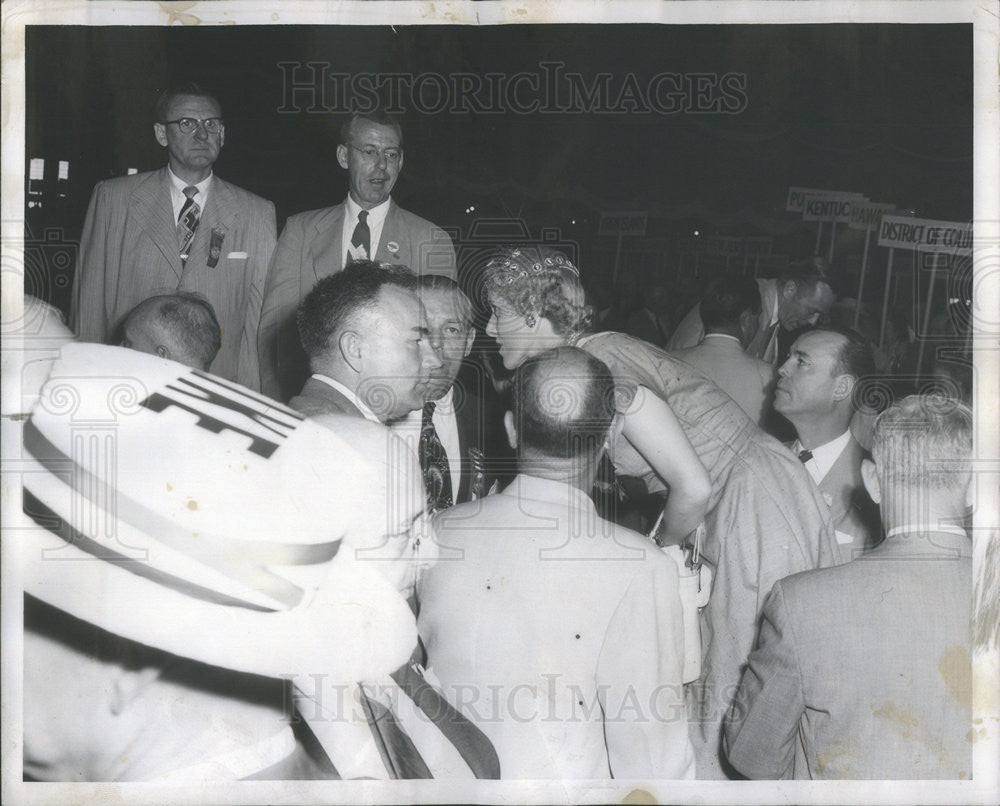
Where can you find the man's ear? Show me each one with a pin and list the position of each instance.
(342, 156)
(160, 133)
(789, 289)
(749, 325)
(350, 345)
(870, 479)
(162, 351)
(469, 340)
(508, 425)
(844, 387)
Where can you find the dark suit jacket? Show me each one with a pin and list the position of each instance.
(310, 249)
(129, 252)
(317, 397)
(862, 670)
(487, 458)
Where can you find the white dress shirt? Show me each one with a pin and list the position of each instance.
(824, 456)
(446, 424)
(177, 197)
(376, 218)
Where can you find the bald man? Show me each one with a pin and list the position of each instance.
(181, 327)
(555, 631)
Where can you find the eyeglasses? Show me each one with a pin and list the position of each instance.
(372, 154)
(188, 125)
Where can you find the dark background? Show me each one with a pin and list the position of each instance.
(884, 110)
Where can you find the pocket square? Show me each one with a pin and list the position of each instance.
(237, 256)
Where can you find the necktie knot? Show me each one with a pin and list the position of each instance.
(363, 217)
(805, 456)
(190, 191)
(428, 411)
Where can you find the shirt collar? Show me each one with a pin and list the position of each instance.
(179, 184)
(375, 216)
(349, 394)
(722, 338)
(827, 454)
(535, 488)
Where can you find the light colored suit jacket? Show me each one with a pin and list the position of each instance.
(317, 397)
(691, 329)
(863, 671)
(766, 518)
(129, 252)
(747, 380)
(310, 249)
(559, 634)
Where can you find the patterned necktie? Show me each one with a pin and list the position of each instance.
(805, 456)
(187, 221)
(362, 235)
(434, 463)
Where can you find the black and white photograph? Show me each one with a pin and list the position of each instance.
(498, 402)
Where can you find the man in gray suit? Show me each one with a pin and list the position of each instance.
(862, 670)
(730, 309)
(817, 392)
(367, 225)
(180, 228)
(369, 346)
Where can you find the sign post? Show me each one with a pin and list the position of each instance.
(921, 235)
(829, 205)
(622, 224)
(865, 215)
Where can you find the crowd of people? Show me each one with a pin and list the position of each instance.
(354, 548)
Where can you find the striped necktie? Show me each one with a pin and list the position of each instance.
(187, 221)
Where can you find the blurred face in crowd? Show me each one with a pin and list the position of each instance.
(191, 155)
(802, 304)
(451, 334)
(397, 357)
(808, 382)
(373, 159)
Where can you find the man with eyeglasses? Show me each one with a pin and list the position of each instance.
(180, 228)
(367, 225)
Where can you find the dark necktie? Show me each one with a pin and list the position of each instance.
(362, 235)
(805, 456)
(187, 221)
(434, 463)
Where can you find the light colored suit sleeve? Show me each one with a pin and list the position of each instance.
(761, 728)
(639, 680)
(87, 316)
(262, 224)
(281, 298)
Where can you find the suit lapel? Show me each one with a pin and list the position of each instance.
(154, 212)
(221, 214)
(398, 253)
(326, 248)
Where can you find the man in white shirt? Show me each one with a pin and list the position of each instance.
(558, 633)
(460, 413)
(730, 309)
(817, 392)
(366, 335)
(367, 225)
